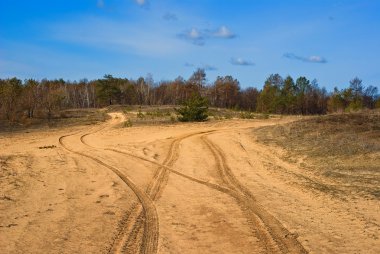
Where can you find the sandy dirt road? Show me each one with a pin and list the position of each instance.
(188, 188)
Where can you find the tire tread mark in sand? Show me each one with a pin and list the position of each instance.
(130, 231)
(154, 189)
(169, 168)
(128, 237)
(150, 236)
(241, 199)
(161, 175)
(239, 194)
(157, 185)
(268, 227)
(173, 171)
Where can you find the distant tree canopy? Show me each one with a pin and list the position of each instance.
(355, 97)
(22, 99)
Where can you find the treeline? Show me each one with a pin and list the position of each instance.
(20, 99)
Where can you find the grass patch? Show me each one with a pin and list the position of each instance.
(62, 118)
(128, 124)
(344, 149)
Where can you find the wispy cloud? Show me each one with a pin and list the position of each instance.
(199, 36)
(194, 36)
(36, 64)
(116, 36)
(206, 67)
(310, 59)
(241, 62)
(170, 16)
(223, 32)
(10, 68)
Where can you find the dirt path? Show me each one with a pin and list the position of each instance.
(150, 234)
(276, 238)
(193, 188)
(131, 231)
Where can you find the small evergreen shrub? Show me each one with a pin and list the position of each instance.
(247, 115)
(140, 114)
(128, 123)
(193, 110)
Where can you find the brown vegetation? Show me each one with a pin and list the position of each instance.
(343, 149)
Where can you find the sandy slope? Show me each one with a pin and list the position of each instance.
(191, 188)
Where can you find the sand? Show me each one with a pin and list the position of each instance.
(183, 188)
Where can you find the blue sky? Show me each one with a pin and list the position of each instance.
(329, 40)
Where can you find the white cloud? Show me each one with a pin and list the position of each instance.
(241, 61)
(310, 59)
(224, 32)
(206, 67)
(193, 35)
(316, 59)
(199, 37)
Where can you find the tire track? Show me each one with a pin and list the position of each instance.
(173, 171)
(158, 184)
(267, 228)
(130, 235)
(151, 229)
(275, 236)
(155, 187)
(169, 168)
(238, 195)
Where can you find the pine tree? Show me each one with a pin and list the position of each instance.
(193, 110)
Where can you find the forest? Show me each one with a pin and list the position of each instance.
(24, 99)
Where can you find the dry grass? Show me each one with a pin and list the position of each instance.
(148, 115)
(344, 149)
(156, 115)
(223, 113)
(60, 118)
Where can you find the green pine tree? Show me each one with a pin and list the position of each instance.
(193, 110)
